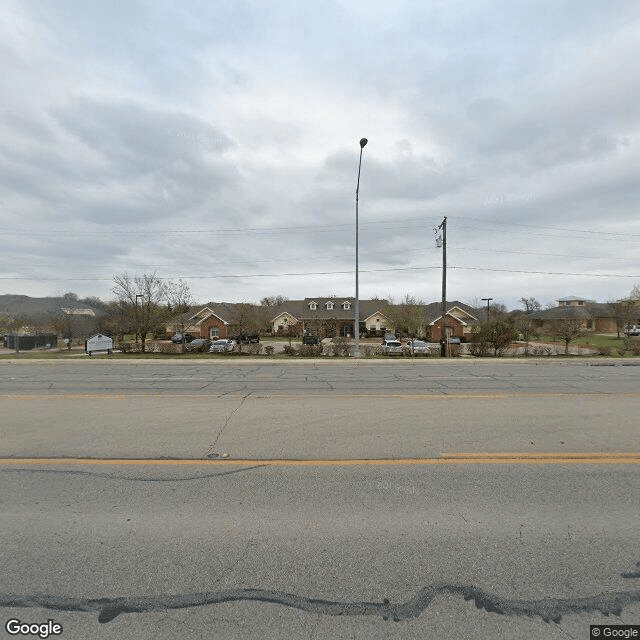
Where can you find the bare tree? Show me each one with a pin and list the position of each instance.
(273, 301)
(498, 310)
(407, 317)
(526, 325)
(243, 320)
(530, 305)
(624, 312)
(145, 302)
(15, 325)
(567, 329)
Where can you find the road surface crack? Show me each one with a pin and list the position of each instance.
(226, 422)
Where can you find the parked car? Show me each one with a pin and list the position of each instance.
(454, 340)
(199, 344)
(419, 346)
(392, 347)
(222, 346)
(247, 339)
(632, 330)
(177, 338)
(310, 340)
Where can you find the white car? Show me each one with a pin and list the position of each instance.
(392, 347)
(632, 330)
(419, 346)
(222, 346)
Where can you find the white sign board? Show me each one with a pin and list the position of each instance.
(98, 343)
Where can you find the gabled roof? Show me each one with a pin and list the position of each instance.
(299, 309)
(225, 311)
(283, 313)
(465, 313)
(583, 312)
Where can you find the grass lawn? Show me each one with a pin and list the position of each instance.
(595, 340)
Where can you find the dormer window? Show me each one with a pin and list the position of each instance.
(313, 306)
(329, 306)
(346, 305)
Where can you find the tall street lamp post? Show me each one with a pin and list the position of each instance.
(356, 327)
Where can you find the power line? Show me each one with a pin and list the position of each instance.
(395, 223)
(630, 237)
(317, 257)
(563, 229)
(326, 273)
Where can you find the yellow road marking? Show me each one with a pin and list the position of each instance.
(453, 458)
(553, 454)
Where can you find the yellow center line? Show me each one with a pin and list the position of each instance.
(447, 459)
(552, 454)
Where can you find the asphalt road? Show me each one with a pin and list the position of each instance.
(324, 410)
(389, 500)
(378, 377)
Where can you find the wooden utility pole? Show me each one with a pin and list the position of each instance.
(443, 344)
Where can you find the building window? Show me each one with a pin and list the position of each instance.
(329, 306)
(346, 306)
(313, 306)
(214, 332)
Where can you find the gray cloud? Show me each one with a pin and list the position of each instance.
(141, 131)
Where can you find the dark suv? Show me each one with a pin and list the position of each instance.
(310, 340)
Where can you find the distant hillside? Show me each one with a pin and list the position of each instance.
(17, 305)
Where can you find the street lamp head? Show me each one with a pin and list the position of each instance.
(363, 142)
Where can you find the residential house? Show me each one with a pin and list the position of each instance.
(592, 316)
(329, 317)
(459, 320)
(573, 301)
(217, 320)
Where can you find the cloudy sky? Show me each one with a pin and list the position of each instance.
(217, 141)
